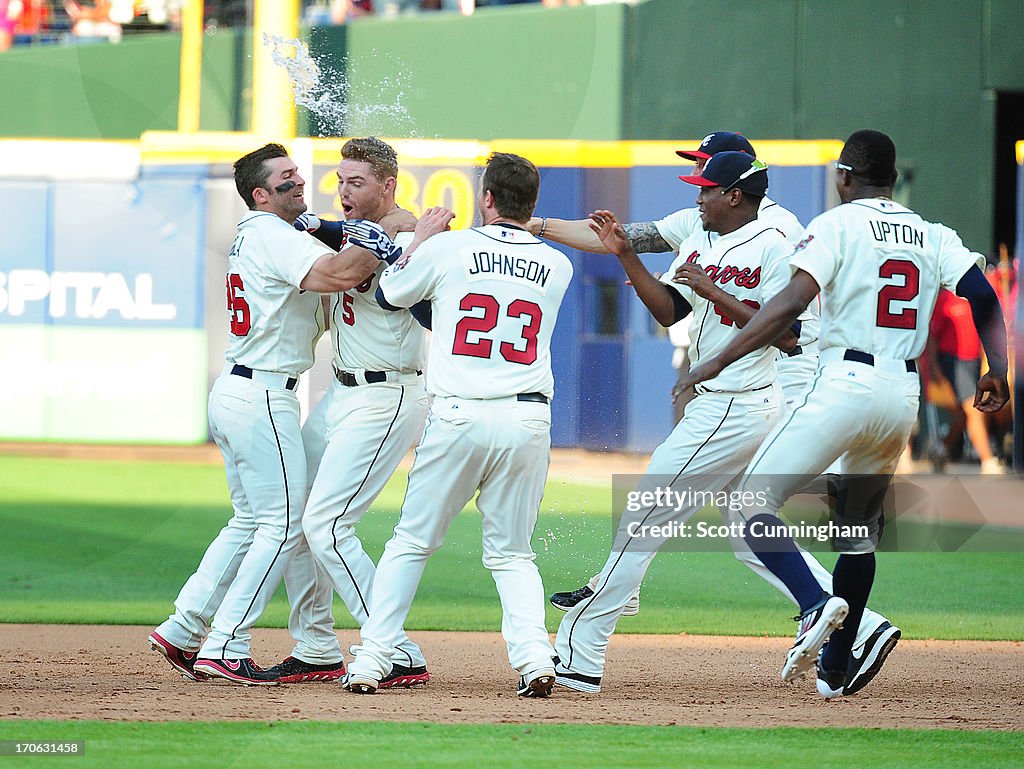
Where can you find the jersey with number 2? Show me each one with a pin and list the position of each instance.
(880, 266)
(495, 294)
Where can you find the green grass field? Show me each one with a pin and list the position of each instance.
(112, 542)
(256, 745)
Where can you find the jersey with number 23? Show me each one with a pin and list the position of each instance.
(495, 292)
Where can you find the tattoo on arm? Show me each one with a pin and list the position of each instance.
(645, 238)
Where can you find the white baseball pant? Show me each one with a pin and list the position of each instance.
(354, 438)
(255, 423)
(707, 451)
(501, 447)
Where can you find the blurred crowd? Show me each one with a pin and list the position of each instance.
(25, 22)
(322, 12)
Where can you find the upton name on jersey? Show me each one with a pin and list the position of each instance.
(495, 293)
(899, 262)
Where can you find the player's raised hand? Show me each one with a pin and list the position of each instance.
(434, 220)
(992, 394)
(606, 225)
(307, 222)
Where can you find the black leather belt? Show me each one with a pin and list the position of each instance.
(349, 380)
(865, 357)
(372, 377)
(532, 398)
(246, 372)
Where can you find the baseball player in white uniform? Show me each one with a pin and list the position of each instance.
(358, 433)
(495, 292)
(722, 281)
(795, 368)
(880, 267)
(274, 278)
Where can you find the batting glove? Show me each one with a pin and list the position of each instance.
(372, 237)
(307, 222)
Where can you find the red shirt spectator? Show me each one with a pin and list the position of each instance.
(953, 328)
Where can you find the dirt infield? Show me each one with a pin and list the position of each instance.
(69, 672)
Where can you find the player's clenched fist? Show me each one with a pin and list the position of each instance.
(693, 275)
(608, 229)
(307, 222)
(434, 220)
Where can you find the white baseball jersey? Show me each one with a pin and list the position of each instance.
(678, 226)
(366, 336)
(752, 264)
(495, 292)
(880, 267)
(274, 325)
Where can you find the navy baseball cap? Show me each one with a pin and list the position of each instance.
(719, 141)
(733, 170)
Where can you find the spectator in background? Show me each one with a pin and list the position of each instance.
(9, 12)
(91, 21)
(954, 361)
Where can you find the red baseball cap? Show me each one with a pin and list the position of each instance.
(733, 169)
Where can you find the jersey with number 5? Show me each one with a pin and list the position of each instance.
(495, 292)
(273, 324)
(366, 336)
(880, 266)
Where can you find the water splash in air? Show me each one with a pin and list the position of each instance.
(339, 104)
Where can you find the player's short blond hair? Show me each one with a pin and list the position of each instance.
(380, 155)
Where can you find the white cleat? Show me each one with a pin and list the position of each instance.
(815, 628)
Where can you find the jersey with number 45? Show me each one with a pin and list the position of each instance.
(751, 264)
(495, 292)
(274, 325)
(880, 266)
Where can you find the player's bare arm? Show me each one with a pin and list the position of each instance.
(575, 233)
(767, 324)
(654, 294)
(398, 220)
(698, 280)
(643, 236)
(340, 271)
